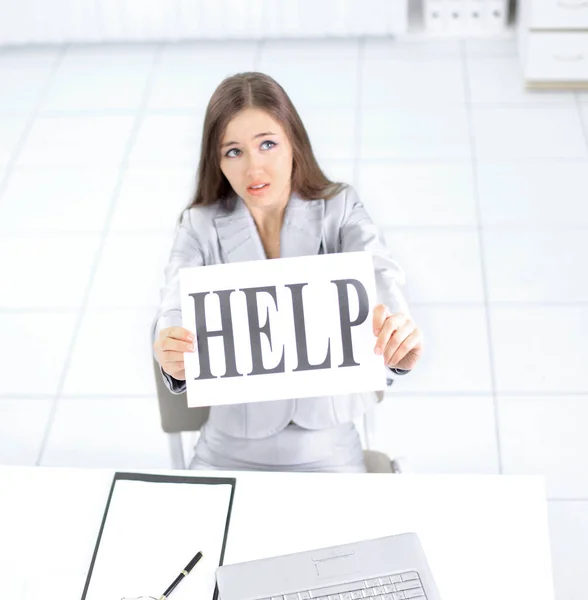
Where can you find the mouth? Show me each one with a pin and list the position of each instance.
(258, 188)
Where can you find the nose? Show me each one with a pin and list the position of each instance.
(254, 163)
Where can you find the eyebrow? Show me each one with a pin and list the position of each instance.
(254, 137)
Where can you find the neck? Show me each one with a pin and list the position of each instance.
(269, 219)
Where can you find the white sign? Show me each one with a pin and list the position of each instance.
(281, 328)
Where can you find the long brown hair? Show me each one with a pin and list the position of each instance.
(256, 90)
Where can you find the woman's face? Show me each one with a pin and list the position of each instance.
(254, 151)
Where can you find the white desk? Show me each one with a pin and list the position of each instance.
(485, 537)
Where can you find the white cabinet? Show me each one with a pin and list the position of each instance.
(553, 42)
(559, 14)
(465, 16)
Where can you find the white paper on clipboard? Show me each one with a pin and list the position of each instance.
(151, 529)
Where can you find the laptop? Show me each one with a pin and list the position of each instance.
(388, 568)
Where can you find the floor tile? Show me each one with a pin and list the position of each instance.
(430, 432)
(540, 348)
(77, 141)
(536, 266)
(115, 433)
(332, 132)
(73, 87)
(22, 425)
(168, 140)
(405, 82)
(11, 130)
(498, 80)
(490, 46)
(528, 132)
(568, 523)
(584, 115)
(286, 50)
(111, 55)
(21, 87)
(131, 270)
(411, 49)
(316, 75)
(418, 132)
(46, 270)
(547, 436)
(455, 356)
(419, 194)
(49, 199)
(440, 266)
(187, 74)
(546, 193)
(34, 350)
(113, 354)
(152, 198)
(343, 171)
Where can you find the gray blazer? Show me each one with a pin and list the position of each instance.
(211, 235)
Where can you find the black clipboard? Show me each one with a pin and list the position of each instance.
(119, 476)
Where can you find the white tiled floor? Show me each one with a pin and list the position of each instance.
(568, 523)
(479, 187)
(79, 200)
(441, 266)
(414, 132)
(528, 131)
(419, 194)
(75, 141)
(533, 193)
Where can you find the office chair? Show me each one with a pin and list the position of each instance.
(177, 417)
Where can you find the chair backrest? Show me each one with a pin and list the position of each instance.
(176, 417)
(175, 414)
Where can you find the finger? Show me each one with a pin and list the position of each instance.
(177, 333)
(380, 313)
(413, 341)
(173, 345)
(173, 363)
(396, 339)
(173, 357)
(391, 324)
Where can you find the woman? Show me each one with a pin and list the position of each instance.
(262, 195)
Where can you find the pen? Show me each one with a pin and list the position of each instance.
(181, 576)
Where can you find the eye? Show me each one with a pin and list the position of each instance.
(264, 146)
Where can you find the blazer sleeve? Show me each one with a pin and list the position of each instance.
(186, 252)
(357, 233)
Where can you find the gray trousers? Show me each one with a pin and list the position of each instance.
(335, 450)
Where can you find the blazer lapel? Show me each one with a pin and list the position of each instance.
(301, 233)
(237, 234)
(302, 228)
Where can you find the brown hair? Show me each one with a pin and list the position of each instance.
(255, 90)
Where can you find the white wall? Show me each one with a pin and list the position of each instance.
(58, 21)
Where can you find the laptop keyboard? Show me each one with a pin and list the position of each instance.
(400, 586)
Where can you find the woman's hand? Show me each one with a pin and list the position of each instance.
(170, 348)
(399, 339)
